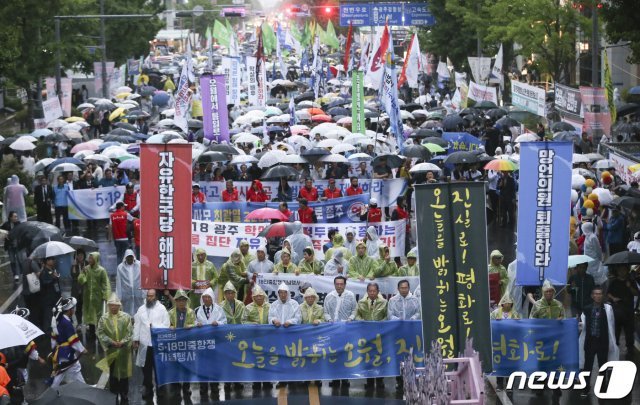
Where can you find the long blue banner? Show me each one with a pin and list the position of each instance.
(250, 353)
(345, 209)
(461, 142)
(534, 345)
(545, 188)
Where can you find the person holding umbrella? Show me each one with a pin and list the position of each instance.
(115, 331)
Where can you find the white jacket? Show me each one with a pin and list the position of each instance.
(216, 313)
(147, 318)
(404, 308)
(285, 312)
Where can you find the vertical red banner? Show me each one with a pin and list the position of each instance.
(165, 216)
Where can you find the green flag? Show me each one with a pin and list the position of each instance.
(306, 35)
(295, 32)
(322, 35)
(608, 87)
(268, 38)
(221, 33)
(357, 110)
(229, 27)
(332, 39)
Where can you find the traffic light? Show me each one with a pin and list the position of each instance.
(328, 10)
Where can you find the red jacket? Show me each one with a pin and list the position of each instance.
(129, 200)
(374, 215)
(307, 215)
(230, 196)
(119, 224)
(329, 194)
(136, 232)
(256, 195)
(198, 198)
(400, 213)
(354, 191)
(309, 195)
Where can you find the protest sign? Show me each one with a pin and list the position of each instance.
(51, 109)
(94, 203)
(478, 93)
(529, 98)
(248, 353)
(597, 117)
(215, 116)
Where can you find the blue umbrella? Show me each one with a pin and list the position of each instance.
(75, 161)
(38, 133)
(634, 90)
(105, 145)
(161, 99)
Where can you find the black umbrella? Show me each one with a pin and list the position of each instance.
(370, 114)
(79, 242)
(56, 137)
(29, 235)
(75, 393)
(424, 133)
(625, 257)
(147, 90)
(8, 141)
(275, 129)
(461, 157)
(194, 124)
(437, 140)
(485, 105)
(120, 138)
(278, 230)
(624, 129)
(388, 159)
(339, 102)
(468, 111)
(562, 126)
(212, 156)
(224, 148)
(75, 161)
(411, 107)
(308, 96)
(629, 108)
(339, 111)
(315, 153)
(283, 106)
(625, 202)
(273, 101)
(135, 114)
(417, 151)
(102, 104)
(125, 125)
(567, 136)
(452, 122)
(507, 122)
(121, 131)
(496, 113)
(279, 171)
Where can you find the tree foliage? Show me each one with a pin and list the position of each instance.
(621, 24)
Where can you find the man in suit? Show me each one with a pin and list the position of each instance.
(43, 197)
(86, 181)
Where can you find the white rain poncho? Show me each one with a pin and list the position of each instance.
(373, 244)
(404, 308)
(331, 268)
(351, 246)
(614, 350)
(299, 241)
(288, 311)
(592, 249)
(128, 286)
(14, 194)
(340, 308)
(259, 266)
(215, 311)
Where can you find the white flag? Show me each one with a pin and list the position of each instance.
(443, 71)
(496, 71)
(189, 64)
(480, 68)
(377, 60)
(183, 100)
(412, 65)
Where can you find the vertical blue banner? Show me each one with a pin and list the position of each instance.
(543, 220)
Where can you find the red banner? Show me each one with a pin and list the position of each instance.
(165, 217)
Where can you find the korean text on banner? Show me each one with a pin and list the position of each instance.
(67, 89)
(478, 93)
(551, 348)
(249, 353)
(568, 101)
(529, 98)
(622, 165)
(357, 113)
(231, 68)
(94, 203)
(453, 262)
(252, 80)
(222, 238)
(543, 239)
(165, 217)
(597, 117)
(214, 108)
(51, 109)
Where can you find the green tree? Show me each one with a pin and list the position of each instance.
(621, 24)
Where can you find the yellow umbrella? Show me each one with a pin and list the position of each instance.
(74, 119)
(123, 95)
(116, 113)
(634, 168)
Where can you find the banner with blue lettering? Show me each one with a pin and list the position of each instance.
(345, 209)
(545, 189)
(534, 345)
(250, 353)
(461, 141)
(385, 191)
(92, 203)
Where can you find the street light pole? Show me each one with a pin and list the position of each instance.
(103, 38)
(58, 62)
(595, 51)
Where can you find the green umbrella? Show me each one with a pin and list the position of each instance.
(433, 148)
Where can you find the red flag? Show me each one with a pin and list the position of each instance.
(403, 74)
(347, 50)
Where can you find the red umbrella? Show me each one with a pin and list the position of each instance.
(321, 118)
(279, 229)
(267, 214)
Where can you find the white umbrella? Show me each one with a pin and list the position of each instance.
(293, 159)
(284, 146)
(28, 138)
(97, 158)
(240, 159)
(604, 196)
(342, 147)
(425, 167)
(65, 167)
(577, 181)
(123, 89)
(57, 123)
(22, 144)
(334, 158)
(602, 164)
(114, 152)
(271, 158)
(303, 115)
(579, 158)
(404, 114)
(575, 260)
(178, 140)
(83, 154)
(51, 249)
(529, 137)
(323, 128)
(167, 122)
(301, 141)
(360, 157)
(86, 105)
(72, 134)
(337, 132)
(354, 138)
(17, 331)
(42, 164)
(245, 137)
(594, 156)
(169, 112)
(328, 143)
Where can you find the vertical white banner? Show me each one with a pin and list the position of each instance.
(67, 89)
(50, 86)
(252, 83)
